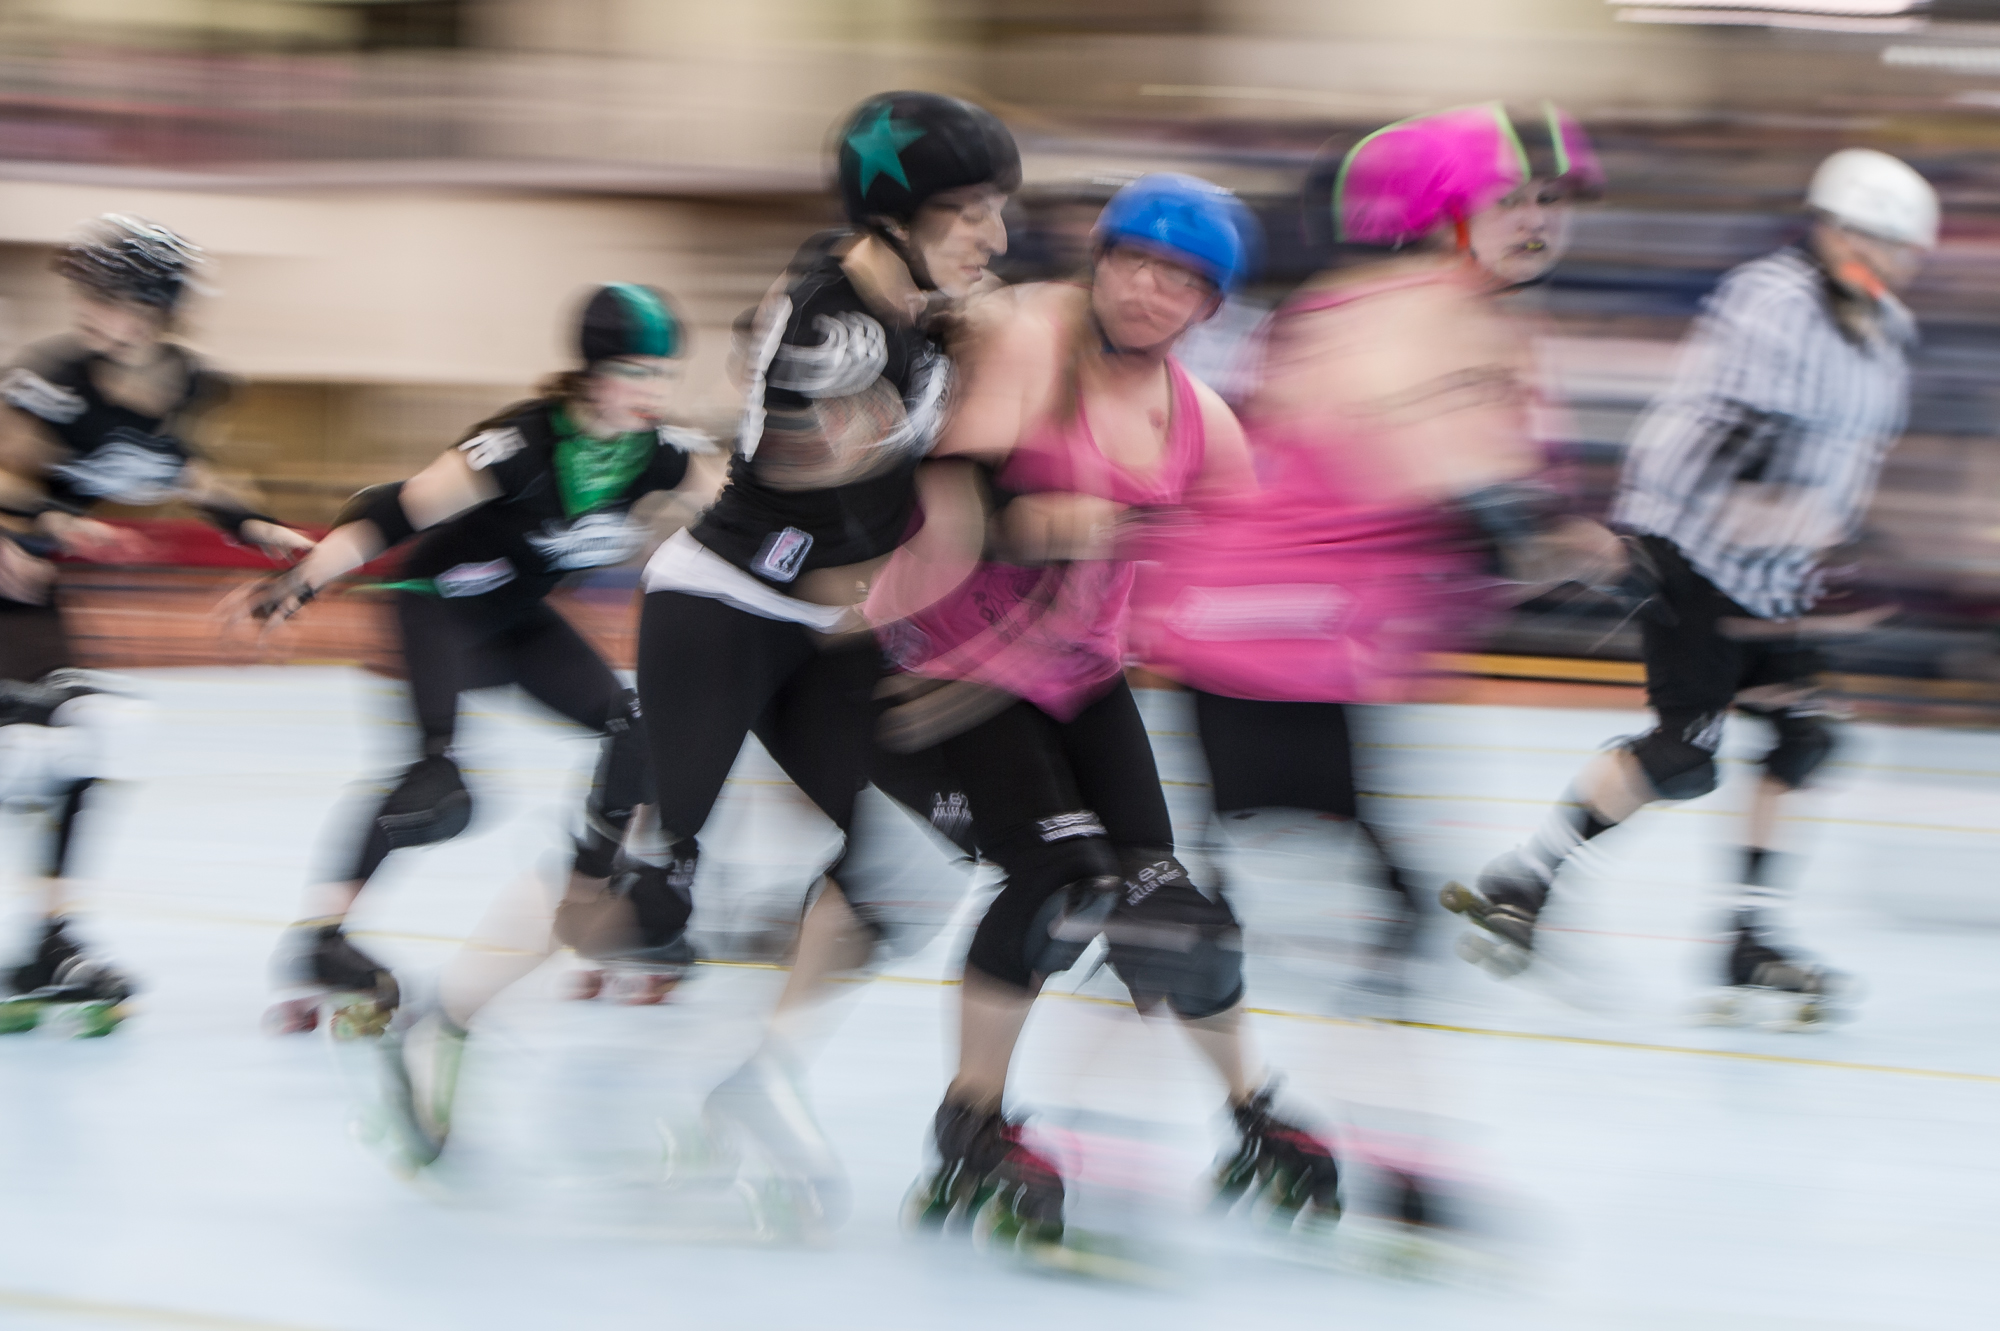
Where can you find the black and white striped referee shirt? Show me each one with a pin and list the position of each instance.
(1764, 453)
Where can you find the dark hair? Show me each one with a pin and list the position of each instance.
(565, 386)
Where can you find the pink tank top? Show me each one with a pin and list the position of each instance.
(1054, 634)
(1312, 590)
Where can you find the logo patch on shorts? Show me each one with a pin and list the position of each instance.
(782, 554)
(1064, 826)
(474, 579)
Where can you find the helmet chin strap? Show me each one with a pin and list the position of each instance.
(900, 246)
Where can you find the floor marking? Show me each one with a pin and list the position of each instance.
(68, 1307)
(1586, 1041)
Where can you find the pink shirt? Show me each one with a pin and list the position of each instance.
(1312, 590)
(1054, 634)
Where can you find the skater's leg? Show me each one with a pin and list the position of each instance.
(441, 650)
(514, 937)
(991, 1015)
(707, 671)
(553, 665)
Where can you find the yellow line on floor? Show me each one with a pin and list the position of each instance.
(1278, 1013)
(68, 1307)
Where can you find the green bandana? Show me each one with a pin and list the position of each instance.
(592, 472)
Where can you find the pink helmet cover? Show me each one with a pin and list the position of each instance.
(1404, 180)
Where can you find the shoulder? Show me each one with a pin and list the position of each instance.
(44, 377)
(507, 434)
(1784, 283)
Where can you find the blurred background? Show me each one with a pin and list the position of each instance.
(403, 198)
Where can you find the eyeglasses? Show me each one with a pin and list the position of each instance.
(1130, 262)
(632, 369)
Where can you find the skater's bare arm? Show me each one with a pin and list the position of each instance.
(438, 493)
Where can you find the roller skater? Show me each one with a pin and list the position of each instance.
(1390, 432)
(1079, 416)
(547, 487)
(749, 624)
(102, 413)
(1757, 463)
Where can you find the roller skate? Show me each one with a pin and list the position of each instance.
(1279, 1169)
(1505, 905)
(322, 973)
(419, 1059)
(760, 1116)
(989, 1180)
(63, 990)
(1772, 989)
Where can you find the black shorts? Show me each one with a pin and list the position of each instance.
(1277, 755)
(1691, 665)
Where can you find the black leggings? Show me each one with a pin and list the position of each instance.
(1054, 803)
(709, 674)
(1288, 755)
(450, 647)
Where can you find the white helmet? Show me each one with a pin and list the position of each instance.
(1878, 195)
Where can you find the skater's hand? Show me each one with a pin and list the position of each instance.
(266, 603)
(23, 577)
(278, 541)
(87, 538)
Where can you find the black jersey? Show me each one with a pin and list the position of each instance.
(841, 408)
(114, 453)
(522, 543)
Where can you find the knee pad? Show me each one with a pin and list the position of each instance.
(623, 782)
(1806, 739)
(1172, 943)
(642, 914)
(429, 805)
(1678, 755)
(1062, 885)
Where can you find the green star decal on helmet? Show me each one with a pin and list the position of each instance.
(880, 146)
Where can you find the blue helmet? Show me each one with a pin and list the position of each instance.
(1202, 225)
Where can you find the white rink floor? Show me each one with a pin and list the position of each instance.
(1644, 1171)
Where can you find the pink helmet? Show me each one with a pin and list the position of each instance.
(1405, 179)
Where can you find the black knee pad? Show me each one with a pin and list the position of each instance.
(1172, 943)
(430, 804)
(623, 782)
(1806, 739)
(1062, 884)
(662, 897)
(1678, 755)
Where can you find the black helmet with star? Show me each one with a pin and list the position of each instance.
(898, 149)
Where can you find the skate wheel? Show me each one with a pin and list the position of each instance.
(1457, 898)
(998, 1228)
(921, 1211)
(295, 1016)
(96, 1020)
(647, 989)
(1500, 959)
(359, 1019)
(20, 1015)
(584, 985)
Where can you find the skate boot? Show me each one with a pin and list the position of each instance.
(763, 1107)
(61, 987)
(419, 1060)
(987, 1176)
(318, 968)
(1767, 987)
(1280, 1165)
(1506, 904)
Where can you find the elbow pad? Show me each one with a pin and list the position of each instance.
(383, 506)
